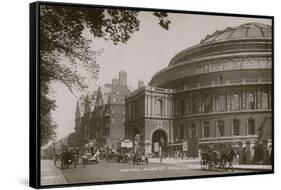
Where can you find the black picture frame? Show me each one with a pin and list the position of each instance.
(34, 83)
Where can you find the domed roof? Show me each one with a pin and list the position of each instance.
(244, 41)
(248, 30)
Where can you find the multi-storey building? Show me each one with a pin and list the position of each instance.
(100, 117)
(219, 91)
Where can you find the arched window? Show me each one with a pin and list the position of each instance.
(182, 107)
(221, 103)
(181, 131)
(220, 128)
(251, 126)
(265, 101)
(235, 102)
(194, 104)
(187, 133)
(251, 101)
(220, 79)
(207, 104)
(193, 130)
(159, 107)
(206, 129)
(236, 127)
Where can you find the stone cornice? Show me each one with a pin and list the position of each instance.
(200, 47)
(212, 65)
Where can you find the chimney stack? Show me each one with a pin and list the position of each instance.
(122, 78)
(115, 82)
(140, 84)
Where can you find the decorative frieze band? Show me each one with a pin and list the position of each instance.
(187, 71)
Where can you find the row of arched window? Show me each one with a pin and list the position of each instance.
(206, 105)
(250, 101)
(220, 129)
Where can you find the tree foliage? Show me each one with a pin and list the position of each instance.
(164, 22)
(46, 106)
(65, 50)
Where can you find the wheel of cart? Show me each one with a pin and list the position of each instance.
(217, 159)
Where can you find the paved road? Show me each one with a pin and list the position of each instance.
(105, 171)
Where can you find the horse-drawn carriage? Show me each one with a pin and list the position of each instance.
(122, 155)
(67, 159)
(110, 156)
(139, 157)
(217, 160)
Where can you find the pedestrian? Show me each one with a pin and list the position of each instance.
(84, 159)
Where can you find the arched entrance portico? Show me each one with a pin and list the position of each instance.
(159, 138)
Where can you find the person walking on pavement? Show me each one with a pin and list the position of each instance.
(84, 159)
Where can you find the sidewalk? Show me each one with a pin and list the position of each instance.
(197, 162)
(174, 161)
(50, 174)
(252, 167)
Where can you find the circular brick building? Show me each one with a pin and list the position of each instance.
(219, 91)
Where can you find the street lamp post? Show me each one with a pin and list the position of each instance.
(161, 143)
(160, 152)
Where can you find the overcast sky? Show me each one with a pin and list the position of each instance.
(149, 50)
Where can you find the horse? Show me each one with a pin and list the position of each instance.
(228, 157)
(205, 160)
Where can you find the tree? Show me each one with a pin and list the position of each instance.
(163, 21)
(46, 106)
(65, 50)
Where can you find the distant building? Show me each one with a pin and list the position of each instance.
(102, 121)
(82, 119)
(219, 91)
(140, 84)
